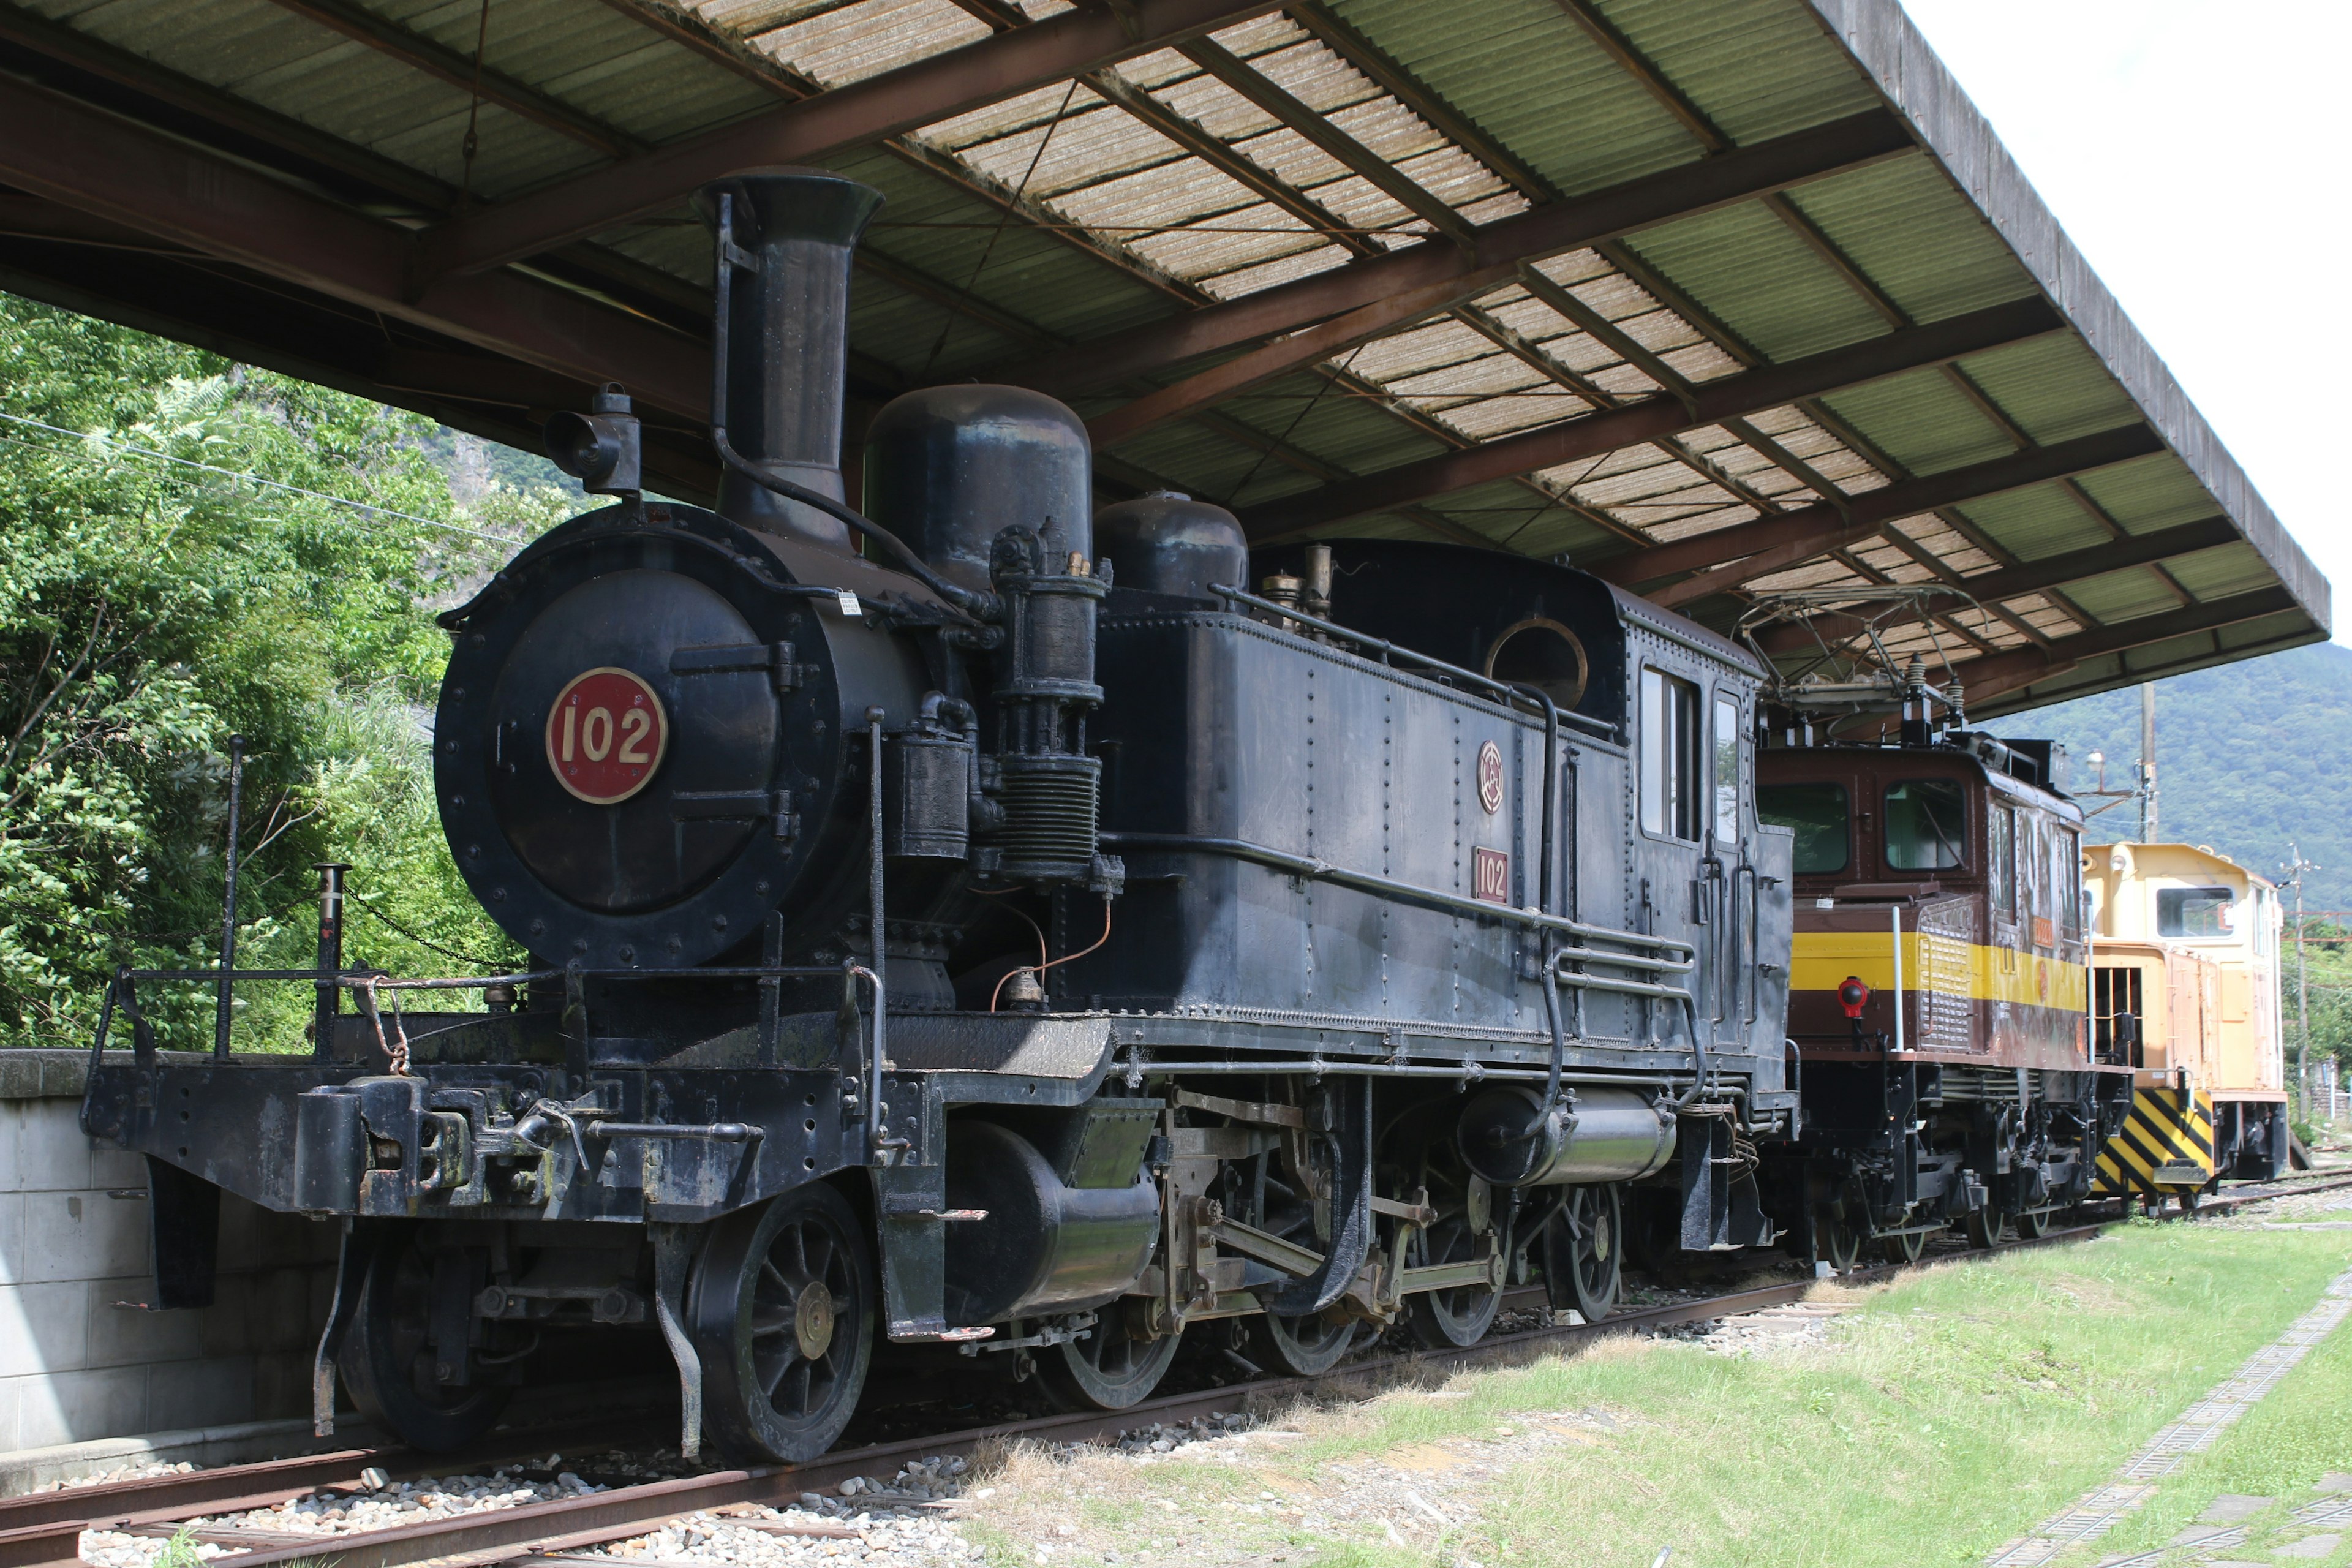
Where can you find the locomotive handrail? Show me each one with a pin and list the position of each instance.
(1506, 694)
(1308, 866)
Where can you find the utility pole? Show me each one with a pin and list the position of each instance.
(2147, 763)
(2297, 865)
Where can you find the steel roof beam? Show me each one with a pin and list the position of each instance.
(1996, 675)
(69, 152)
(873, 110)
(224, 111)
(1730, 557)
(1438, 276)
(1574, 439)
(2009, 581)
(1270, 98)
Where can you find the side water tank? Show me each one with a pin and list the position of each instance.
(1170, 543)
(947, 468)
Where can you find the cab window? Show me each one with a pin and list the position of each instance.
(2067, 876)
(1727, 771)
(2000, 858)
(2195, 912)
(1818, 814)
(1670, 755)
(1927, 822)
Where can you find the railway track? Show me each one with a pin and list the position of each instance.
(44, 1530)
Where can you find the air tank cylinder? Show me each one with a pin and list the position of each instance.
(1167, 542)
(1053, 1235)
(788, 338)
(949, 467)
(1601, 1135)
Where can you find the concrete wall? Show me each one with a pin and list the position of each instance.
(78, 1358)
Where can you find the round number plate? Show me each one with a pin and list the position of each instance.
(1490, 777)
(605, 735)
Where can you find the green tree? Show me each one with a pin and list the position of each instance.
(188, 549)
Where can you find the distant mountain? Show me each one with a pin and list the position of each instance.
(2249, 757)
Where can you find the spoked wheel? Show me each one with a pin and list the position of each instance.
(1985, 1227)
(1465, 1225)
(1299, 1346)
(1583, 1254)
(1836, 1242)
(2032, 1223)
(391, 1365)
(782, 1313)
(1905, 1248)
(1109, 1369)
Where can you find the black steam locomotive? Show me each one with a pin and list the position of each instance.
(945, 947)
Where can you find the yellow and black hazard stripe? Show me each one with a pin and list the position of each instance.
(2165, 1145)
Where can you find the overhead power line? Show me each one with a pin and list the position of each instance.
(120, 445)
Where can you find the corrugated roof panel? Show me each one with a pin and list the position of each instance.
(1947, 544)
(313, 74)
(1921, 421)
(1756, 69)
(2035, 522)
(1748, 269)
(1250, 279)
(2219, 573)
(1512, 71)
(2038, 611)
(2053, 388)
(1910, 232)
(2148, 493)
(849, 43)
(2122, 595)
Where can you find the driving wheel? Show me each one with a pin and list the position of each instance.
(393, 1369)
(1299, 1346)
(1108, 1369)
(781, 1312)
(1985, 1227)
(1584, 1252)
(2032, 1223)
(1464, 1232)
(1905, 1248)
(1836, 1241)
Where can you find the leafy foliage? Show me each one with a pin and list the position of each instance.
(150, 608)
(2245, 754)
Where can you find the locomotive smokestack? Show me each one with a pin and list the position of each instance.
(786, 338)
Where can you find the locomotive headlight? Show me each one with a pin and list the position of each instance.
(1852, 995)
(599, 449)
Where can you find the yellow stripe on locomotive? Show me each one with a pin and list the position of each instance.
(2165, 1145)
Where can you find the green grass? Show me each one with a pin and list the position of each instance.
(1962, 1408)
(2281, 1449)
(1952, 1413)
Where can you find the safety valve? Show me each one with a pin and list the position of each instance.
(599, 449)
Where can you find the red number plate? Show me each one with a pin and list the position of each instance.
(605, 735)
(1490, 875)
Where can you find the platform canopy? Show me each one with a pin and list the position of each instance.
(1718, 299)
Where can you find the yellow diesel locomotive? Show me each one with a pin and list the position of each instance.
(2185, 992)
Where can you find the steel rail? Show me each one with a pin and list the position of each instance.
(481, 1540)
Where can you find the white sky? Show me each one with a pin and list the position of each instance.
(2194, 151)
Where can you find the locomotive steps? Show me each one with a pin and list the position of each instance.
(46, 1529)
